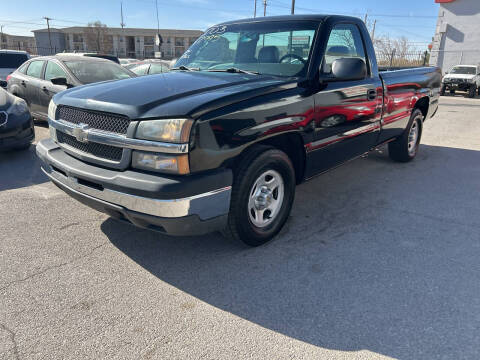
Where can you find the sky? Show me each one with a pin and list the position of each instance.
(414, 19)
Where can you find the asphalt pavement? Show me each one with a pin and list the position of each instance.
(378, 260)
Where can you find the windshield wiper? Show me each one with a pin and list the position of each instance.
(184, 68)
(235, 70)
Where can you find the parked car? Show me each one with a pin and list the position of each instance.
(253, 108)
(125, 62)
(95, 55)
(39, 79)
(10, 60)
(462, 78)
(150, 67)
(16, 125)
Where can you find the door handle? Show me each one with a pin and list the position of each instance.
(372, 94)
(45, 89)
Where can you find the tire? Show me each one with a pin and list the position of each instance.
(264, 184)
(442, 90)
(472, 91)
(452, 92)
(478, 91)
(405, 148)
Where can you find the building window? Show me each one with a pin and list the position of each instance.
(179, 41)
(77, 38)
(148, 40)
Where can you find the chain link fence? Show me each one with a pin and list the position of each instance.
(395, 59)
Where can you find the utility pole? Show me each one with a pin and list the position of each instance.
(264, 7)
(1, 36)
(293, 7)
(365, 19)
(49, 36)
(255, 9)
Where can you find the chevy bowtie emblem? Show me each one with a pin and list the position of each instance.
(81, 132)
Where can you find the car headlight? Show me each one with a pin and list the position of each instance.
(173, 164)
(52, 109)
(471, 81)
(18, 107)
(167, 130)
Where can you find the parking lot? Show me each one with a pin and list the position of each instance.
(385, 265)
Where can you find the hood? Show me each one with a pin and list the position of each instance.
(6, 100)
(177, 93)
(459, 76)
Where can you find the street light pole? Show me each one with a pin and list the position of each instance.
(264, 7)
(293, 7)
(49, 36)
(255, 9)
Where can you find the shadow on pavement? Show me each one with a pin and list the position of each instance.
(377, 255)
(20, 168)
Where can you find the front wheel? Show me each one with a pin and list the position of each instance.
(262, 196)
(442, 90)
(472, 91)
(405, 148)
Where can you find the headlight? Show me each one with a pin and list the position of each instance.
(161, 162)
(471, 81)
(168, 130)
(19, 107)
(52, 109)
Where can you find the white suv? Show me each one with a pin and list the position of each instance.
(463, 78)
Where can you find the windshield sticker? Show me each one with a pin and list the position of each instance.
(214, 32)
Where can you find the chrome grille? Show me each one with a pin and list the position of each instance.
(108, 152)
(97, 120)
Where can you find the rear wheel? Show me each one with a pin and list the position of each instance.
(452, 92)
(405, 148)
(262, 196)
(442, 90)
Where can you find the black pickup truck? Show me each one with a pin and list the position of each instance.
(253, 108)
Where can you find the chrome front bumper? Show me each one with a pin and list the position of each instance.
(91, 185)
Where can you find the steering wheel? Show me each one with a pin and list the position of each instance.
(294, 56)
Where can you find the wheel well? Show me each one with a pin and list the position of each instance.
(423, 104)
(292, 145)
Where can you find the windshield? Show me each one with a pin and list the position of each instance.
(468, 70)
(92, 71)
(273, 48)
(12, 61)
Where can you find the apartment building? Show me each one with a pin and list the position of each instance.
(126, 42)
(457, 35)
(16, 42)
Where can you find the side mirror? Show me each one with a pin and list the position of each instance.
(3, 83)
(59, 81)
(348, 69)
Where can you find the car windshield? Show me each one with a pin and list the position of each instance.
(12, 61)
(273, 48)
(94, 71)
(467, 70)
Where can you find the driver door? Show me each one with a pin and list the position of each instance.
(347, 113)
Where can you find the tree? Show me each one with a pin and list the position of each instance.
(97, 38)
